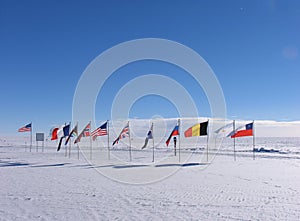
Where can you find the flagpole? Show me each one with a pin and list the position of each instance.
(207, 142)
(77, 151)
(30, 137)
(37, 147)
(43, 146)
(253, 141)
(108, 148)
(66, 150)
(46, 143)
(179, 140)
(66, 147)
(215, 136)
(70, 140)
(173, 140)
(174, 147)
(77, 143)
(152, 143)
(129, 142)
(234, 141)
(70, 147)
(91, 144)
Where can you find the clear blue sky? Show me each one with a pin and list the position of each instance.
(252, 46)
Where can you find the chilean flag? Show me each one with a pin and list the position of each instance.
(243, 131)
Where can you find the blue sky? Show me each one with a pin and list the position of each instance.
(252, 46)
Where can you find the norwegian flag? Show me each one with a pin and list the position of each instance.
(86, 130)
(85, 133)
(124, 133)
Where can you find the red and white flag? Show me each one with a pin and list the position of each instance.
(100, 131)
(84, 133)
(26, 128)
(243, 131)
(124, 133)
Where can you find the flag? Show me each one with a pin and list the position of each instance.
(74, 132)
(243, 131)
(58, 132)
(64, 133)
(174, 132)
(26, 128)
(149, 136)
(84, 133)
(224, 131)
(53, 133)
(197, 130)
(100, 131)
(124, 133)
(66, 130)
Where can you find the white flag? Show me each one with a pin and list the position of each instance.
(224, 131)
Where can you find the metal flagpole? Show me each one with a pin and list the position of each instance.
(234, 141)
(46, 141)
(253, 140)
(70, 147)
(129, 142)
(77, 151)
(152, 143)
(66, 150)
(30, 136)
(77, 143)
(108, 148)
(70, 140)
(37, 145)
(91, 144)
(207, 142)
(215, 136)
(174, 147)
(179, 140)
(25, 145)
(66, 147)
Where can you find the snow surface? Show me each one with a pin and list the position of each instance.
(50, 185)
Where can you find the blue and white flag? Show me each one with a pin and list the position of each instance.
(149, 136)
(224, 131)
(63, 132)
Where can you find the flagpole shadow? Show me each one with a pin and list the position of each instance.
(113, 166)
(129, 166)
(181, 165)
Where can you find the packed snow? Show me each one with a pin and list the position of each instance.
(48, 185)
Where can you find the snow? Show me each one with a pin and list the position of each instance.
(51, 186)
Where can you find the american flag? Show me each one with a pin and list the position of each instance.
(100, 131)
(25, 128)
(85, 133)
(124, 133)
